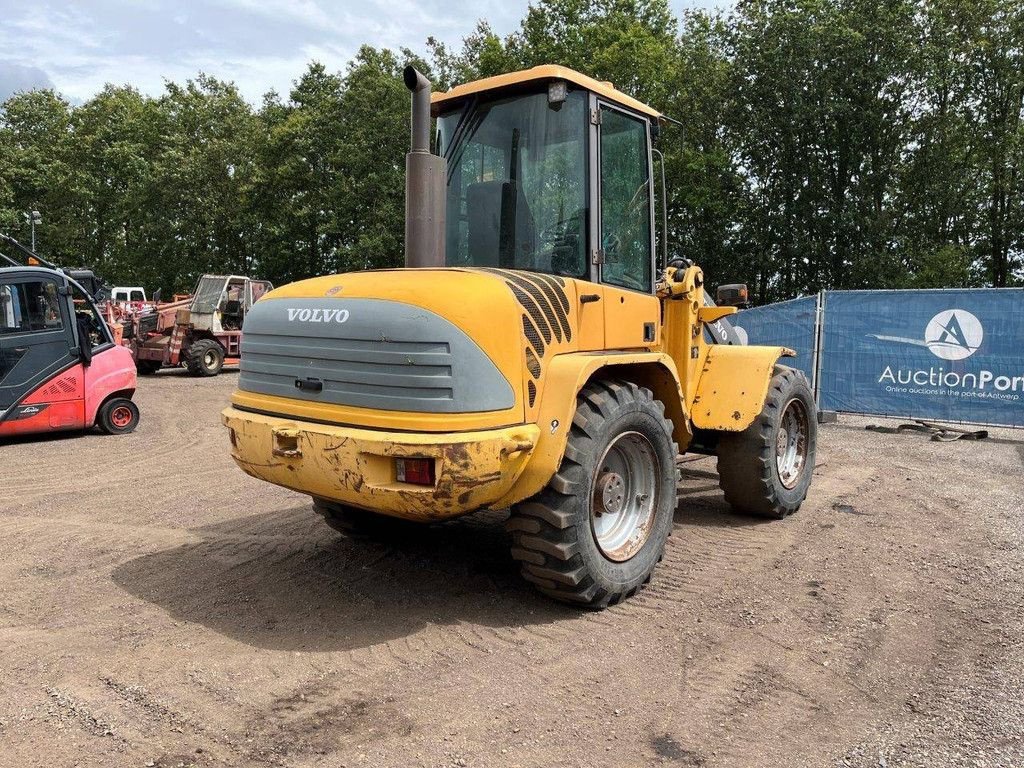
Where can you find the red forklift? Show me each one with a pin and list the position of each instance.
(60, 368)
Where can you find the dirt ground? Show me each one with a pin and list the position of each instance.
(160, 608)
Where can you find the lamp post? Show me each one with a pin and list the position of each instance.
(33, 218)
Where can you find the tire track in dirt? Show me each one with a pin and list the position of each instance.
(262, 637)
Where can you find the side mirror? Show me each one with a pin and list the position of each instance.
(733, 295)
(156, 296)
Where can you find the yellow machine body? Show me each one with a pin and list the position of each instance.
(495, 458)
(476, 369)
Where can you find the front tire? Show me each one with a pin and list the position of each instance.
(118, 416)
(205, 358)
(594, 535)
(766, 469)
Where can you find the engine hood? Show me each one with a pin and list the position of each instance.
(368, 347)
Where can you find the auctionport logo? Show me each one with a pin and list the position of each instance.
(953, 334)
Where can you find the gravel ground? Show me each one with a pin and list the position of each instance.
(160, 608)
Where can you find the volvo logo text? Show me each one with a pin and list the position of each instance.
(305, 315)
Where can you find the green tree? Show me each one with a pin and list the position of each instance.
(631, 43)
(705, 187)
(938, 198)
(818, 144)
(35, 132)
(483, 54)
(370, 158)
(7, 213)
(293, 187)
(822, 120)
(117, 135)
(997, 60)
(198, 187)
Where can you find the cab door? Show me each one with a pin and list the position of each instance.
(36, 335)
(626, 227)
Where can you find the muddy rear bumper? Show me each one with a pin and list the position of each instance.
(357, 466)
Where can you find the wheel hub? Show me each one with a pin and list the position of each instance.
(610, 490)
(121, 417)
(781, 441)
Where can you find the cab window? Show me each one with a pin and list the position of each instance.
(625, 201)
(208, 294)
(90, 324)
(29, 307)
(517, 184)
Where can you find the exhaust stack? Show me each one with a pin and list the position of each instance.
(425, 177)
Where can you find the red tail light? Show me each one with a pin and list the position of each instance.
(415, 471)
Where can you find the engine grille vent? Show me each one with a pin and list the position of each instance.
(544, 299)
(63, 386)
(545, 319)
(532, 363)
(384, 355)
(532, 336)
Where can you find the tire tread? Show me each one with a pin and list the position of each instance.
(745, 459)
(544, 536)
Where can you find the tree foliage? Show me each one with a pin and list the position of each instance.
(819, 144)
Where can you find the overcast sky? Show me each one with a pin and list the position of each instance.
(77, 47)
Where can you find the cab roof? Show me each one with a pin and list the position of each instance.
(546, 72)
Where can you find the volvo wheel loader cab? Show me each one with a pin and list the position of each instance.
(59, 366)
(535, 354)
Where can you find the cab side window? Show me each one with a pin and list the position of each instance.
(9, 309)
(29, 307)
(625, 201)
(29, 314)
(91, 325)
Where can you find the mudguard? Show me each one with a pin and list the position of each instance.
(565, 376)
(732, 386)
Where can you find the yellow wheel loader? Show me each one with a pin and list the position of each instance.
(534, 354)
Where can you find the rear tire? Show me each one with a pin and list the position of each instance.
(205, 358)
(766, 469)
(352, 521)
(118, 416)
(147, 367)
(594, 535)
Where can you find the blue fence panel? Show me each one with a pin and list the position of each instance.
(786, 324)
(951, 355)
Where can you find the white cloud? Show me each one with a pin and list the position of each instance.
(258, 44)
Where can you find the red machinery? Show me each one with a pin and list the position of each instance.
(60, 368)
(202, 331)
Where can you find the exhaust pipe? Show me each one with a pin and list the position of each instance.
(425, 180)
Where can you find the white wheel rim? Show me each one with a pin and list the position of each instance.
(791, 443)
(624, 495)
